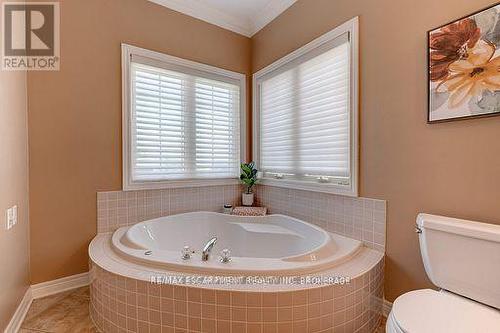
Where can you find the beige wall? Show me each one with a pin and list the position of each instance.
(75, 116)
(14, 243)
(450, 168)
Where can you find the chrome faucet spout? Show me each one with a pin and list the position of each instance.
(208, 248)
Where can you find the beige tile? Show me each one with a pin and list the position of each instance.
(269, 299)
(353, 217)
(300, 313)
(300, 297)
(254, 300)
(271, 328)
(194, 294)
(223, 312)
(208, 297)
(81, 292)
(238, 314)
(65, 312)
(43, 304)
(269, 315)
(223, 326)
(238, 298)
(285, 299)
(254, 314)
(285, 314)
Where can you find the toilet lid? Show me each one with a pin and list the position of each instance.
(429, 311)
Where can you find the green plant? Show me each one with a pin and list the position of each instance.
(248, 175)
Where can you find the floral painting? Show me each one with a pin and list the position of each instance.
(464, 67)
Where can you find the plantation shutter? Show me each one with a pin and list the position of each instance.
(185, 124)
(304, 116)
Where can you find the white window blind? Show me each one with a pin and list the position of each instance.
(305, 116)
(184, 124)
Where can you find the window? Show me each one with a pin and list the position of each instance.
(305, 115)
(182, 121)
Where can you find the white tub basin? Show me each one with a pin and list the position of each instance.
(273, 244)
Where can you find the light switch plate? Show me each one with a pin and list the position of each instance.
(8, 219)
(11, 217)
(14, 215)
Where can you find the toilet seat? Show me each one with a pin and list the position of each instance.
(429, 311)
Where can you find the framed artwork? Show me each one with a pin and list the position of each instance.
(464, 67)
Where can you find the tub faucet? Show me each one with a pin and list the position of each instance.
(208, 247)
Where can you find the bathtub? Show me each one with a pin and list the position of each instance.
(140, 283)
(273, 244)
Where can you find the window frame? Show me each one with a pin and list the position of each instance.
(350, 27)
(127, 52)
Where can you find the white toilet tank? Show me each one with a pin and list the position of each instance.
(462, 256)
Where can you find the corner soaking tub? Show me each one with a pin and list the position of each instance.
(274, 244)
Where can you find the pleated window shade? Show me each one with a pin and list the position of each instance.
(304, 116)
(184, 125)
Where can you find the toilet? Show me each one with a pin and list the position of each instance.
(462, 259)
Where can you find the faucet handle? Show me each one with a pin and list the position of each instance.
(186, 253)
(225, 256)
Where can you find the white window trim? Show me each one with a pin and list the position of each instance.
(351, 27)
(128, 184)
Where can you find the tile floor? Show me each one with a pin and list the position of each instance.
(60, 313)
(68, 312)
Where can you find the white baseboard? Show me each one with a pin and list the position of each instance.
(41, 290)
(386, 308)
(18, 317)
(57, 286)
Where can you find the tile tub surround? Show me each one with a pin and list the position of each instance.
(359, 218)
(363, 219)
(125, 208)
(123, 300)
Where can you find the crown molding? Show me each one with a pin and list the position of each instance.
(269, 13)
(246, 26)
(208, 14)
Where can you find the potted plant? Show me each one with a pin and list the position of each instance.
(248, 177)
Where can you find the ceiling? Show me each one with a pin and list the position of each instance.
(245, 17)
